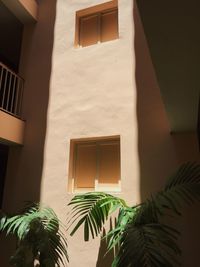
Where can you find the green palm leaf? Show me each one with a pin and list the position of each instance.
(145, 241)
(182, 188)
(142, 239)
(40, 235)
(92, 210)
(114, 236)
(149, 245)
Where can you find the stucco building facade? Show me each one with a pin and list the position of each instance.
(85, 75)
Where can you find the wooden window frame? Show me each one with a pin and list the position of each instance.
(98, 10)
(72, 187)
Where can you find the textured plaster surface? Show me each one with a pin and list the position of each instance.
(97, 91)
(91, 95)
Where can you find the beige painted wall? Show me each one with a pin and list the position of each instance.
(91, 95)
(101, 90)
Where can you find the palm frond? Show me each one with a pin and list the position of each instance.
(114, 236)
(147, 242)
(142, 239)
(149, 245)
(188, 173)
(3, 218)
(92, 209)
(40, 232)
(182, 188)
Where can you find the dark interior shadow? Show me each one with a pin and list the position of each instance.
(159, 152)
(175, 56)
(12, 30)
(25, 164)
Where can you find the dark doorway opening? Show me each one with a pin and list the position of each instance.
(3, 164)
(11, 30)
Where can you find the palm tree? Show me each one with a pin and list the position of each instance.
(40, 237)
(140, 236)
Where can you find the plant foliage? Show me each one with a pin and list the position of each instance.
(92, 210)
(139, 234)
(40, 237)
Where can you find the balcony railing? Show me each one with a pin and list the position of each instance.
(11, 91)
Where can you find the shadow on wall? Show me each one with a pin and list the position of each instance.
(159, 152)
(157, 158)
(154, 140)
(25, 163)
(105, 260)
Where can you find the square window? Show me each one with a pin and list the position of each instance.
(95, 165)
(97, 24)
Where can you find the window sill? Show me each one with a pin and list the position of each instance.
(105, 190)
(79, 47)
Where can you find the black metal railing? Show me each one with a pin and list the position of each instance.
(11, 91)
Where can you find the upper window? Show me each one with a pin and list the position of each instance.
(96, 165)
(94, 27)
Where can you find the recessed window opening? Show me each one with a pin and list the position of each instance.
(97, 24)
(96, 165)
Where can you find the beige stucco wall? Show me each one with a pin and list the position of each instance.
(91, 95)
(102, 90)
(96, 91)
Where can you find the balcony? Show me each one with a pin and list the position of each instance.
(11, 94)
(24, 10)
(11, 91)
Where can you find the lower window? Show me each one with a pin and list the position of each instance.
(96, 165)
